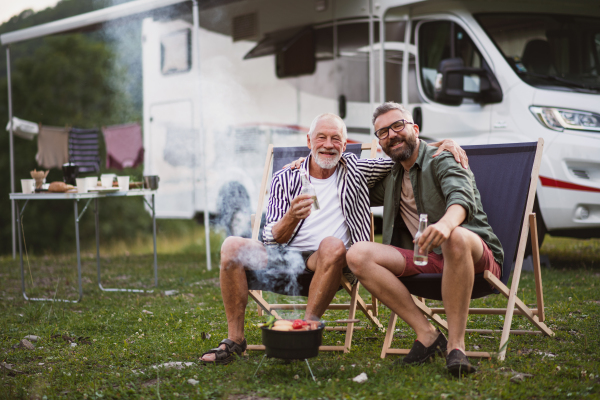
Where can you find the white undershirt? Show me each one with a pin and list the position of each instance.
(328, 221)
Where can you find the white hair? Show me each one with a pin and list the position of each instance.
(340, 121)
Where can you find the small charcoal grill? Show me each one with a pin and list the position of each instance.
(294, 345)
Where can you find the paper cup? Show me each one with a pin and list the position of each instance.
(107, 181)
(27, 185)
(123, 183)
(81, 185)
(92, 182)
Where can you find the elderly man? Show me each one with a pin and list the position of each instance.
(459, 242)
(307, 251)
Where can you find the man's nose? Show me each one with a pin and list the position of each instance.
(392, 133)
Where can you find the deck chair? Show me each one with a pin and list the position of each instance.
(506, 176)
(280, 156)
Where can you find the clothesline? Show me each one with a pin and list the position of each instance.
(59, 145)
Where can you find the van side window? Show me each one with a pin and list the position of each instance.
(321, 82)
(439, 40)
(394, 57)
(345, 74)
(353, 60)
(176, 52)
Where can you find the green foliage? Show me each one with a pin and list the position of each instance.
(66, 82)
(76, 80)
(124, 342)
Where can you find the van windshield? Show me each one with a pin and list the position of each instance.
(549, 51)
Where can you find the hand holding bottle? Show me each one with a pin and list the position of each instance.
(309, 189)
(301, 206)
(433, 236)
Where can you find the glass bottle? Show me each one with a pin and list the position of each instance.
(308, 188)
(420, 259)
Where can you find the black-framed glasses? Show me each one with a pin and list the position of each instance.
(397, 127)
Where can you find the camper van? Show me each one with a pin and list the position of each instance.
(257, 72)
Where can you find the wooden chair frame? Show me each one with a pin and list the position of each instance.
(356, 301)
(536, 315)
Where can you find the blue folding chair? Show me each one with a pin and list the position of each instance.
(279, 157)
(506, 176)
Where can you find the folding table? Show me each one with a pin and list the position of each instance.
(75, 198)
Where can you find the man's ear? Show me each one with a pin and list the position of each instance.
(416, 128)
(308, 141)
(344, 146)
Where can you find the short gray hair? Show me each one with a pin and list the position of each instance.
(319, 117)
(389, 106)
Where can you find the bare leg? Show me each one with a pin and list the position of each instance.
(237, 253)
(327, 263)
(377, 267)
(462, 249)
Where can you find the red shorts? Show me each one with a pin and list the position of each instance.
(435, 263)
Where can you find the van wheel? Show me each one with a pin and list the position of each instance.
(541, 228)
(234, 209)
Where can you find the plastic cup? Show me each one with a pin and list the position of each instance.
(81, 185)
(123, 183)
(107, 181)
(92, 182)
(27, 185)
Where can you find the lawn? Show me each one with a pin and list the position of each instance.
(107, 345)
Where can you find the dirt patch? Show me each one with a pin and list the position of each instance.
(149, 383)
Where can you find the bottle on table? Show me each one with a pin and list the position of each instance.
(308, 188)
(420, 259)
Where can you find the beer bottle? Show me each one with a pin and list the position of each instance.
(308, 188)
(420, 259)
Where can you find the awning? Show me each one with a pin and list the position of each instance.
(277, 41)
(82, 21)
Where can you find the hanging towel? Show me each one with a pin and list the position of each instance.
(84, 149)
(53, 147)
(124, 147)
(25, 129)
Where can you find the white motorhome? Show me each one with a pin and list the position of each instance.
(477, 72)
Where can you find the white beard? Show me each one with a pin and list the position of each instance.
(326, 164)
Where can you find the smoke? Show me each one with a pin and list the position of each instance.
(276, 269)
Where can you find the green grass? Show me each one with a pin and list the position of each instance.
(124, 342)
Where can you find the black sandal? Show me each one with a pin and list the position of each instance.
(227, 355)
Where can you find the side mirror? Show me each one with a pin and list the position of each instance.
(454, 82)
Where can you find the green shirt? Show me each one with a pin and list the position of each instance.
(437, 184)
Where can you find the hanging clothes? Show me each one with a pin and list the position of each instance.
(124, 147)
(53, 147)
(24, 129)
(84, 149)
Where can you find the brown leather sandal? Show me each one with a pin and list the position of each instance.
(227, 355)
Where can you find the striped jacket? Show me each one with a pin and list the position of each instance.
(355, 177)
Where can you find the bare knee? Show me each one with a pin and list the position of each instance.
(332, 252)
(457, 243)
(358, 256)
(230, 251)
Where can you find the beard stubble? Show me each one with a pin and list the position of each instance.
(404, 153)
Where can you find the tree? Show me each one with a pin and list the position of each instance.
(67, 80)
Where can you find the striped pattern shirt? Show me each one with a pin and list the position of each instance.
(355, 177)
(84, 149)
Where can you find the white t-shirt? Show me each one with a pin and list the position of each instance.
(328, 221)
